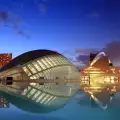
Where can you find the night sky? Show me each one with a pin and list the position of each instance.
(65, 26)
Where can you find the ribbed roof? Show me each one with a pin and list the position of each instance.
(26, 57)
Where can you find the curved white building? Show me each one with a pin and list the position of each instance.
(41, 65)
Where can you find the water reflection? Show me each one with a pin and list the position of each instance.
(103, 99)
(24, 105)
(3, 102)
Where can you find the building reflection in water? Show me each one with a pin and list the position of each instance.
(102, 99)
(3, 102)
(22, 104)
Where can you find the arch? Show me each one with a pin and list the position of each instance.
(101, 54)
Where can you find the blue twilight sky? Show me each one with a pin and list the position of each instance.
(61, 25)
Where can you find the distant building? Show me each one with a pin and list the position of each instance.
(5, 58)
(100, 70)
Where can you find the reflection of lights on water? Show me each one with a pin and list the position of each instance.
(33, 84)
(112, 81)
(112, 77)
(107, 79)
(108, 89)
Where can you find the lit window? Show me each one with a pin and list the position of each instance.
(34, 77)
(45, 63)
(41, 64)
(31, 67)
(27, 71)
(56, 60)
(33, 84)
(51, 59)
(50, 63)
(37, 66)
(31, 77)
(41, 74)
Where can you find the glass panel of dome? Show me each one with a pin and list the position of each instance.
(41, 64)
(61, 60)
(34, 77)
(37, 76)
(37, 66)
(53, 60)
(45, 63)
(49, 58)
(41, 75)
(46, 74)
(27, 71)
(31, 77)
(56, 60)
(31, 67)
(50, 63)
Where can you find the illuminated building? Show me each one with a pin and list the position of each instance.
(100, 70)
(41, 65)
(5, 59)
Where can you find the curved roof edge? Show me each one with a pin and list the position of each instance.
(98, 56)
(28, 56)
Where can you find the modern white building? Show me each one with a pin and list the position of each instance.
(43, 77)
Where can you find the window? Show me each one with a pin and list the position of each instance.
(52, 60)
(27, 71)
(50, 63)
(31, 67)
(45, 63)
(57, 58)
(41, 64)
(37, 66)
(55, 61)
(31, 77)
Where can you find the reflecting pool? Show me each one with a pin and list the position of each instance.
(79, 107)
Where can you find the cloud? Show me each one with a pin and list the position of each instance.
(9, 19)
(112, 50)
(42, 7)
(80, 57)
(93, 14)
(83, 58)
(86, 51)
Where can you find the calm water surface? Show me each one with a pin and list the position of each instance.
(79, 108)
